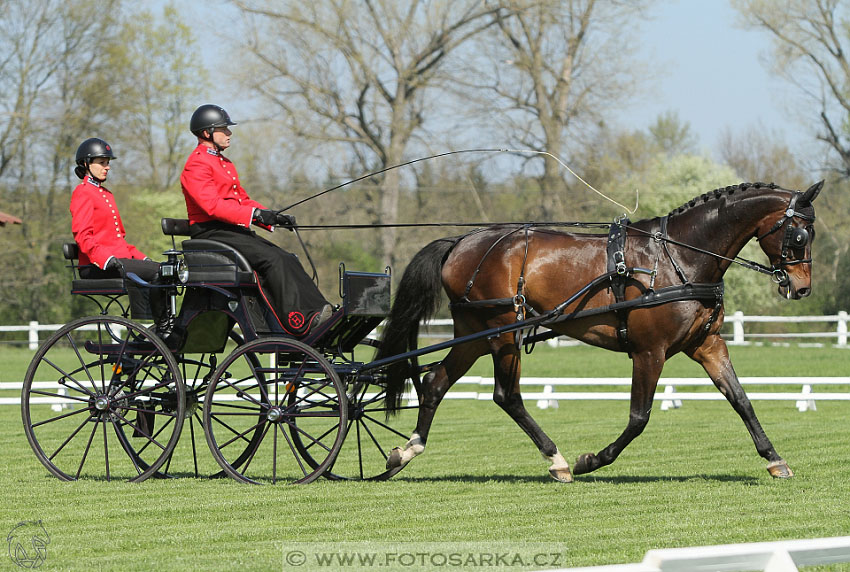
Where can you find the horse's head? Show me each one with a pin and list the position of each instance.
(786, 239)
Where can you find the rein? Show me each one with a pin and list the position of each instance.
(794, 237)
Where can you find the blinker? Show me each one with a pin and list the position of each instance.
(799, 237)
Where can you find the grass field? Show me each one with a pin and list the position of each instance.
(692, 478)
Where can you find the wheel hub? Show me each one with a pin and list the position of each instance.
(274, 415)
(101, 403)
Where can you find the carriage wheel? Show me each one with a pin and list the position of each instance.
(296, 389)
(370, 435)
(103, 398)
(190, 456)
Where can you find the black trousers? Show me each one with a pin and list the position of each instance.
(145, 303)
(294, 297)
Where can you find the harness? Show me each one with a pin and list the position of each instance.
(794, 237)
(619, 273)
(617, 277)
(617, 269)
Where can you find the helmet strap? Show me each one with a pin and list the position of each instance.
(90, 174)
(212, 140)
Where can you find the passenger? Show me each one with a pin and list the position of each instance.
(220, 209)
(99, 232)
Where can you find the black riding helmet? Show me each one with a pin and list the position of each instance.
(88, 150)
(207, 118)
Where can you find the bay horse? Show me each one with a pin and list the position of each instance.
(498, 275)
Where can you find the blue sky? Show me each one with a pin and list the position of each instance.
(711, 73)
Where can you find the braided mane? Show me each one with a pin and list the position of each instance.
(719, 192)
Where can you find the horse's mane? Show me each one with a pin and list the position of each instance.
(719, 192)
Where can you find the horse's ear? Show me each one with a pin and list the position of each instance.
(811, 193)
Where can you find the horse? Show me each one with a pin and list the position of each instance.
(663, 297)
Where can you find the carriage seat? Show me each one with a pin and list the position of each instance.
(104, 286)
(210, 261)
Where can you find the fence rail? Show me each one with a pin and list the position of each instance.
(553, 390)
(737, 321)
(779, 556)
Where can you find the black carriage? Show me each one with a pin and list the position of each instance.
(108, 397)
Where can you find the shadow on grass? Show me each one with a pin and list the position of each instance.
(581, 479)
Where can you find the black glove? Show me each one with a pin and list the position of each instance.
(265, 217)
(286, 221)
(114, 264)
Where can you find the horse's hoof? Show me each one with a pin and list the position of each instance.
(394, 460)
(584, 464)
(780, 470)
(562, 475)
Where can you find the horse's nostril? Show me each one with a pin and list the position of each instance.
(803, 292)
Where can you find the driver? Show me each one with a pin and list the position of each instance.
(220, 209)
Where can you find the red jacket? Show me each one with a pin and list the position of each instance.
(212, 190)
(97, 227)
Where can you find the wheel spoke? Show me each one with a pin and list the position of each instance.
(86, 451)
(104, 374)
(71, 436)
(303, 399)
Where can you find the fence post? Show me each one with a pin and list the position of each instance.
(738, 327)
(842, 328)
(33, 335)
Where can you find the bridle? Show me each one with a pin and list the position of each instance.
(794, 238)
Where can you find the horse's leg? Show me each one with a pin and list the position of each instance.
(434, 386)
(646, 369)
(506, 394)
(713, 356)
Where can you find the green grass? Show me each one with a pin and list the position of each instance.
(693, 478)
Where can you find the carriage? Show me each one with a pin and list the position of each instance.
(107, 397)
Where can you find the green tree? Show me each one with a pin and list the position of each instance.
(358, 76)
(551, 72)
(156, 82)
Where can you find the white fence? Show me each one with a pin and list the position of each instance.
(737, 320)
(805, 397)
(739, 335)
(780, 556)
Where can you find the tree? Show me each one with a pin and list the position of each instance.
(48, 64)
(811, 39)
(157, 80)
(759, 154)
(358, 74)
(553, 70)
(810, 43)
(61, 83)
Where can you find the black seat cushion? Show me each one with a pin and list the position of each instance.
(98, 286)
(214, 262)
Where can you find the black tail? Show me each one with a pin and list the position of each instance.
(418, 298)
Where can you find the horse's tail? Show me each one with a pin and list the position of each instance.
(417, 299)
